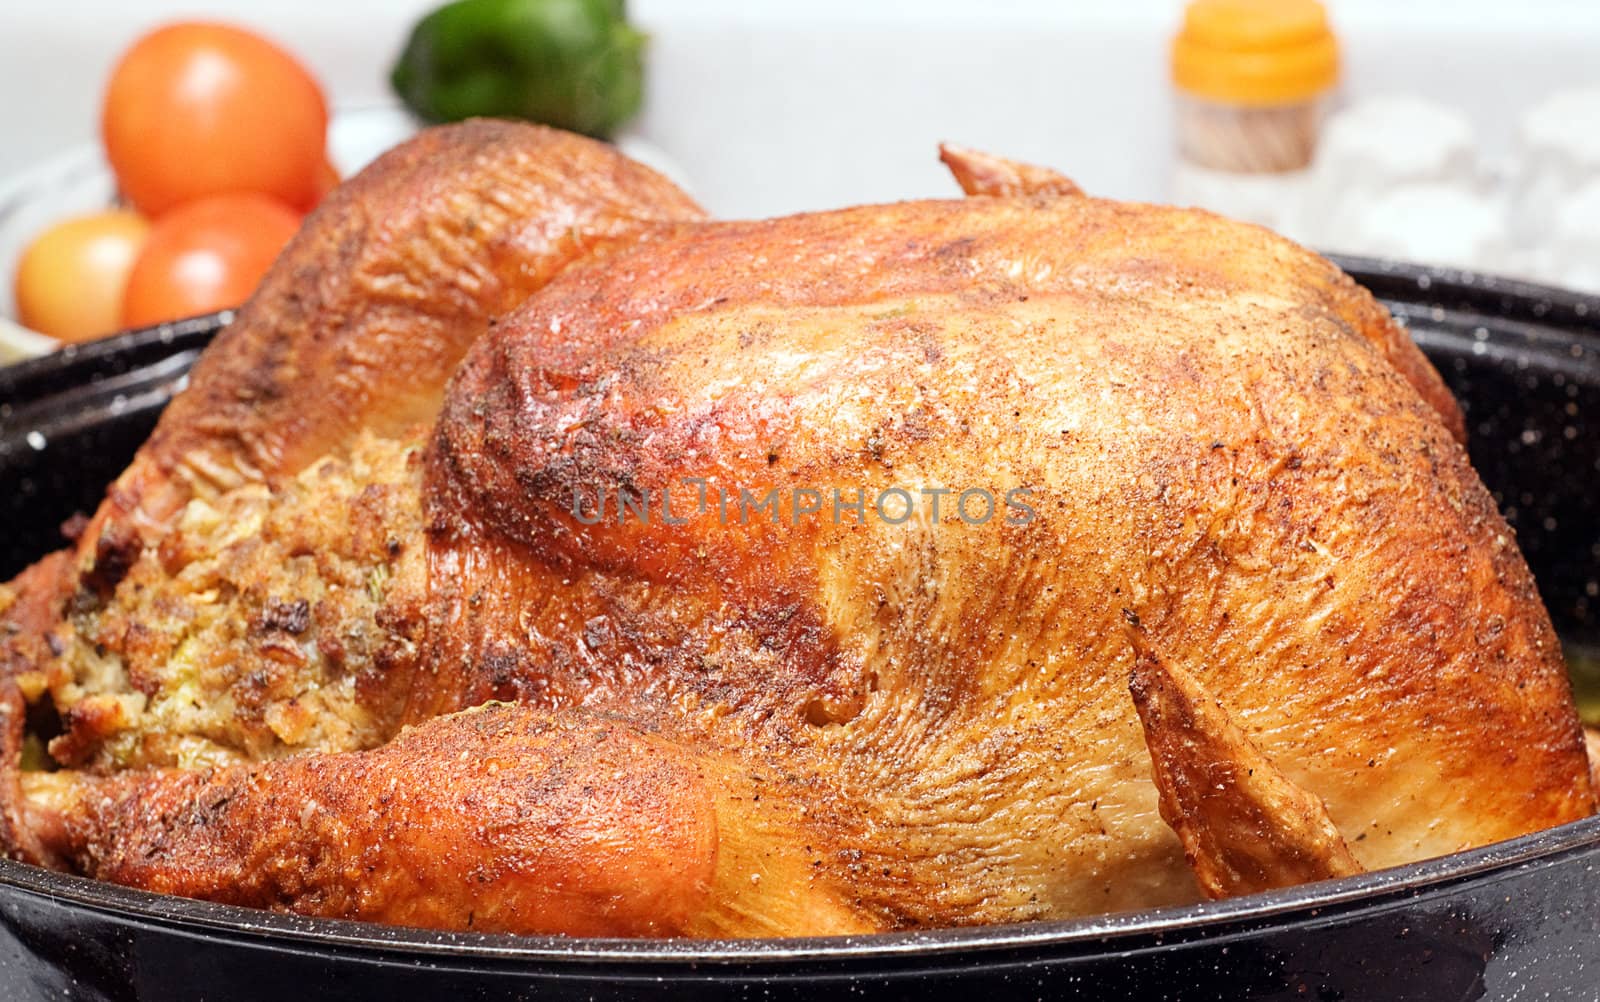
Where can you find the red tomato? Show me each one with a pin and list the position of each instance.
(205, 256)
(327, 180)
(70, 280)
(203, 109)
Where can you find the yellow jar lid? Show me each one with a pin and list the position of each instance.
(1255, 52)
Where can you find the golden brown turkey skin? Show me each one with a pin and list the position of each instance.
(370, 307)
(880, 722)
(1214, 436)
(1244, 825)
(637, 851)
(501, 818)
(351, 336)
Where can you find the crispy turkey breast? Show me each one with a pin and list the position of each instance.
(786, 576)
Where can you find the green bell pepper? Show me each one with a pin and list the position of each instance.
(573, 64)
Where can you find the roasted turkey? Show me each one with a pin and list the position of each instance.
(533, 554)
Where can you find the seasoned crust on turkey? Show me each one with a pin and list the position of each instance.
(429, 689)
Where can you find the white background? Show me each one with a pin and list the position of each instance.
(790, 105)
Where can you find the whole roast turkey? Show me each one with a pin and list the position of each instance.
(533, 554)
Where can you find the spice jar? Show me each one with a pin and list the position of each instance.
(1253, 80)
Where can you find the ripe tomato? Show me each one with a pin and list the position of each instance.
(327, 180)
(205, 256)
(205, 109)
(70, 280)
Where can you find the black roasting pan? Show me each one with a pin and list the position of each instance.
(1517, 920)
